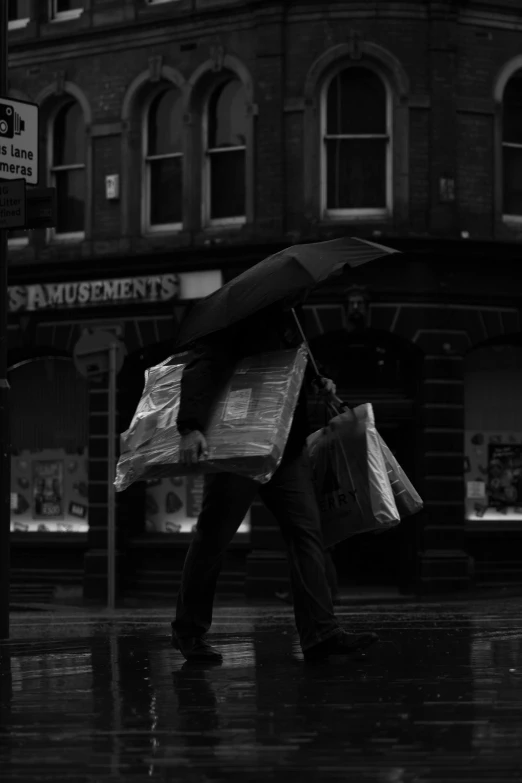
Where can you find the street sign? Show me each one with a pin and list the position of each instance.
(41, 208)
(19, 140)
(91, 353)
(12, 204)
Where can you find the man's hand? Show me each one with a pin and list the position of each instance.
(193, 448)
(326, 388)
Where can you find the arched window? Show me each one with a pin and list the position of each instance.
(163, 139)
(512, 146)
(356, 176)
(68, 168)
(225, 132)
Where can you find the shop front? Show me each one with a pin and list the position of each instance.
(59, 468)
(424, 367)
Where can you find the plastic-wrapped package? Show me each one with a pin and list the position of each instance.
(248, 428)
(350, 477)
(407, 499)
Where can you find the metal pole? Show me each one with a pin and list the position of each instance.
(111, 521)
(5, 456)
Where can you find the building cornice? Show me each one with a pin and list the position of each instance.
(144, 32)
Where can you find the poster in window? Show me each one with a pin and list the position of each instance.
(504, 481)
(48, 489)
(173, 505)
(493, 475)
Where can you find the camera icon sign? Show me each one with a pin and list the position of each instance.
(11, 123)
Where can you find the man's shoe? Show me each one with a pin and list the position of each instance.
(195, 649)
(342, 644)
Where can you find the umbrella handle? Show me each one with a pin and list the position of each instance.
(303, 336)
(335, 400)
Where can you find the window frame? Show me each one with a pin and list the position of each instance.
(507, 217)
(19, 23)
(52, 233)
(206, 178)
(146, 227)
(361, 212)
(63, 16)
(14, 243)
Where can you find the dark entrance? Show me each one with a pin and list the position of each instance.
(379, 368)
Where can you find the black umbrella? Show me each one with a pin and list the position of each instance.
(291, 273)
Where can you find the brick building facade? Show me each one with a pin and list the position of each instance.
(271, 123)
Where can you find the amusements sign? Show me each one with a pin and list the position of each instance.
(157, 288)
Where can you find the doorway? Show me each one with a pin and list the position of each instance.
(386, 371)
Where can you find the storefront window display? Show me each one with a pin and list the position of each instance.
(49, 492)
(493, 434)
(173, 505)
(49, 472)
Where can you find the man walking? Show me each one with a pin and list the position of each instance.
(289, 495)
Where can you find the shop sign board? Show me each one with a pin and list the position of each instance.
(156, 288)
(91, 353)
(19, 140)
(12, 204)
(124, 291)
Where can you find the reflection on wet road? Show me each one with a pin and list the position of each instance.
(93, 697)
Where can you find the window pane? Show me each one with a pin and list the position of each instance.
(512, 110)
(18, 233)
(227, 184)
(512, 181)
(69, 136)
(356, 172)
(67, 5)
(18, 9)
(165, 124)
(227, 116)
(356, 103)
(70, 194)
(166, 191)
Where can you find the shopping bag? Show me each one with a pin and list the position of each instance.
(248, 428)
(407, 499)
(350, 477)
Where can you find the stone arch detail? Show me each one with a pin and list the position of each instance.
(504, 75)
(57, 91)
(368, 53)
(148, 79)
(229, 63)
(458, 327)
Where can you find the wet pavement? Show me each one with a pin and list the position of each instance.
(94, 696)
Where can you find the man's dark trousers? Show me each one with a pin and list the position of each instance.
(289, 495)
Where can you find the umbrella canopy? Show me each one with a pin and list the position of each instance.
(290, 273)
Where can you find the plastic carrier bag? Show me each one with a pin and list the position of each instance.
(407, 499)
(248, 427)
(351, 477)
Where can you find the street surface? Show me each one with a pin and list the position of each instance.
(92, 696)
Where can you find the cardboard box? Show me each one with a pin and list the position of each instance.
(249, 424)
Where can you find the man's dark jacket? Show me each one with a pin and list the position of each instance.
(214, 357)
